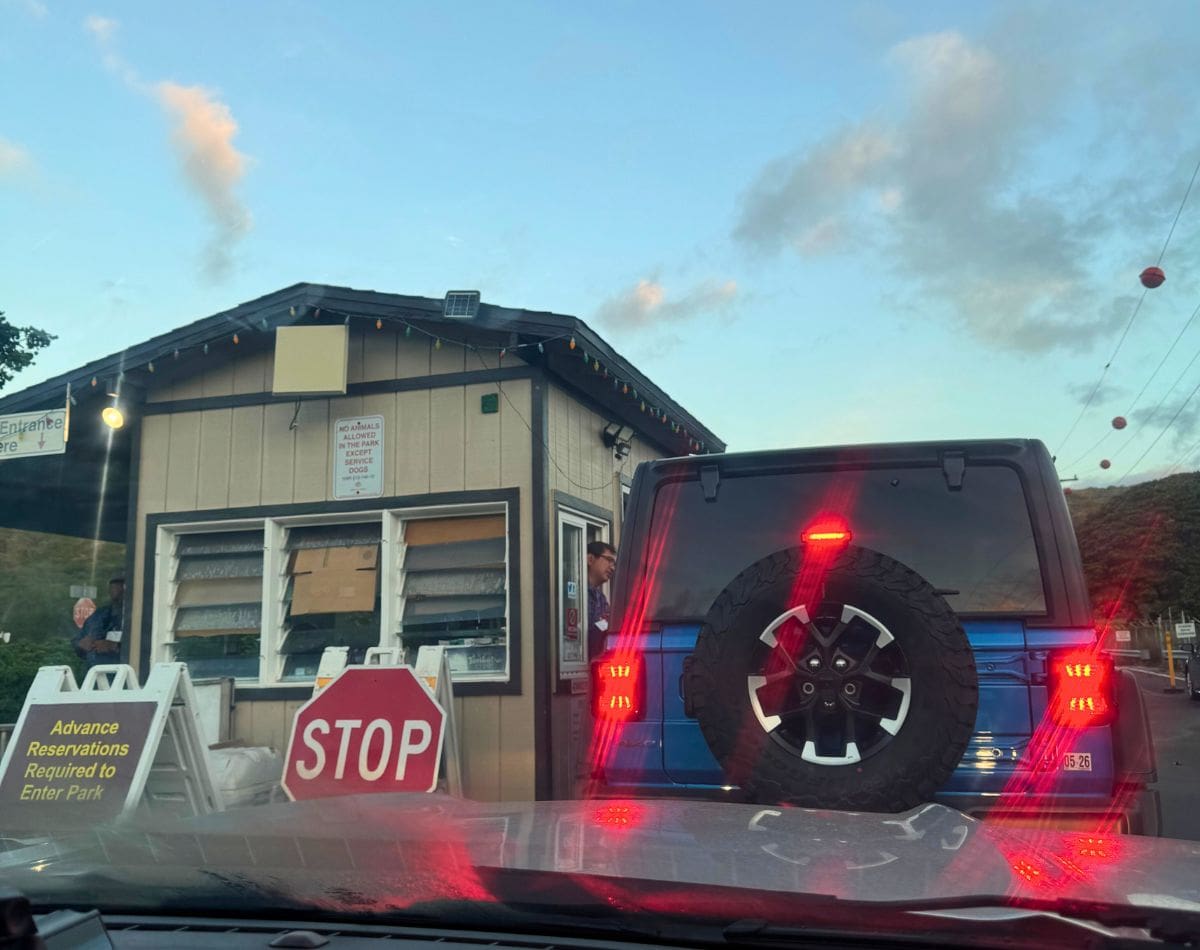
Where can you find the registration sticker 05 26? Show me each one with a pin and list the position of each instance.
(1077, 762)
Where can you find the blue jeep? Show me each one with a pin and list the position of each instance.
(867, 628)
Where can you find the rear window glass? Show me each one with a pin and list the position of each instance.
(976, 545)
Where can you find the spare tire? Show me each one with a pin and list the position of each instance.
(862, 701)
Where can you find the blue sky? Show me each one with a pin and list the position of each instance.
(810, 223)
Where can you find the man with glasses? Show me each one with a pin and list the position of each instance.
(601, 562)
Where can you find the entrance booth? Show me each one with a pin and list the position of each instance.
(330, 467)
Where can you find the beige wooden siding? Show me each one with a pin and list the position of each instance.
(580, 465)
(435, 440)
(373, 355)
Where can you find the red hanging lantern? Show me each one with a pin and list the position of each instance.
(1105, 463)
(1119, 422)
(1153, 277)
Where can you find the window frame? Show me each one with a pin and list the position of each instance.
(163, 530)
(568, 514)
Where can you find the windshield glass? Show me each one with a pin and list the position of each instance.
(599, 470)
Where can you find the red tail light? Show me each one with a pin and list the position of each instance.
(1081, 689)
(827, 531)
(618, 687)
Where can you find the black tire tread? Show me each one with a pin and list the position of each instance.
(959, 702)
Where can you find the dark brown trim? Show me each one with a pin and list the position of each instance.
(627, 416)
(509, 496)
(542, 623)
(375, 387)
(135, 467)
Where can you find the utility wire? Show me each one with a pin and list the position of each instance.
(1165, 396)
(1141, 392)
(1161, 254)
(1161, 434)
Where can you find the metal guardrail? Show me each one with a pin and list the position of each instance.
(1129, 654)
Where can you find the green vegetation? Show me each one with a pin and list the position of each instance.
(36, 573)
(1139, 547)
(19, 663)
(18, 347)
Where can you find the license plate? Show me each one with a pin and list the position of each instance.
(1077, 762)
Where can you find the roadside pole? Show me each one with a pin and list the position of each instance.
(1170, 666)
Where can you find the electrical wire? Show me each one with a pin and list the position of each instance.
(1128, 326)
(550, 455)
(1104, 372)
(1178, 212)
(1170, 423)
(1159, 404)
(1141, 392)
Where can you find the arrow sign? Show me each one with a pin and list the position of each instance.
(19, 431)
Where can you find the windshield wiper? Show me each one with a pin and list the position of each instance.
(1164, 924)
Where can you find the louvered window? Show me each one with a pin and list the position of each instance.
(216, 607)
(455, 591)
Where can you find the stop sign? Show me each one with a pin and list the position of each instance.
(373, 729)
(84, 608)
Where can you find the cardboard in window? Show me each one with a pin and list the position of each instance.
(334, 580)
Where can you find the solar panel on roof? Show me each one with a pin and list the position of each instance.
(461, 304)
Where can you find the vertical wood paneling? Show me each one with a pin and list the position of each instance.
(483, 435)
(516, 441)
(412, 442)
(188, 387)
(241, 725)
(152, 474)
(218, 379)
(152, 496)
(412, 355)
(183, 461)
(451, 358)
(265, 722)
(246, 457)
(279, 454)
(250, 374)
(447, 439)
(384, 405)
(354, 364)
(481, 743)
(313, 440)
(435, 440)
(379, 353)
(216, 427)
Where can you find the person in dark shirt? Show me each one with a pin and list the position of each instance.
(93, 642)
(601, 562)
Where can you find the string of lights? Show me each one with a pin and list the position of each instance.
(410, 329)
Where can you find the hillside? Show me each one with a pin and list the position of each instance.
(36, 574)
(1141, 546)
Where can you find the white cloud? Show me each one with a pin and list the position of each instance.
(942, 188)
(648, 304)
(101, 27)
(202, 134)
(34, 8)
(13, 158)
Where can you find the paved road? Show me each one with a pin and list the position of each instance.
(1175, 720)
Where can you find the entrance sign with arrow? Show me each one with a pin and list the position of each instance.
(27, 434)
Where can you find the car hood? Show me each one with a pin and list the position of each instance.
(377, 854)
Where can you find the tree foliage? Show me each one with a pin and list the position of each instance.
(18, 348)
(1140, 547)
